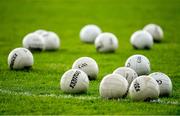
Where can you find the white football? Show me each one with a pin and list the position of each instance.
(51, 40)
(74, 81)
(20, 58)
(113, 86)
(106, 42)
(164, 82)
(144, 88)
(155, 30)
(88, 65)
(141, 40)
(139, 63)
(33, 41)
(89, 33)
(126, 72)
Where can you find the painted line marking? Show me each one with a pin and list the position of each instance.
(49, 95)
(78, 97)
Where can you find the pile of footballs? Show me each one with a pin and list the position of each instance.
(108, 42)
(134, 79)
(38, 40)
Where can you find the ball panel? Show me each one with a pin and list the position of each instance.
(164, 83)
(89, 33)
(51, 40)
(155, 30)
(74, 81)
(126, 72)
(20, 58)
(139, 63)
(33, 41)
(141, 40)
(88, 65)
(106, 42)
(143, 88)
(113, 86)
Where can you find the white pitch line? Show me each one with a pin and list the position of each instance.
(165, 102)
(49, 95)
(78, 97)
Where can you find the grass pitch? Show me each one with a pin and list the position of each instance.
(37, 91)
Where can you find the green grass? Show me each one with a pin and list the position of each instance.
(66, 17)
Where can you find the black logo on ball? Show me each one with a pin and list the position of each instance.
(100, 46)
(159, 82)
(13, 58)
(139, 59)
(128, 64)
(137, 86)
(74, 79)
(82, 65)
